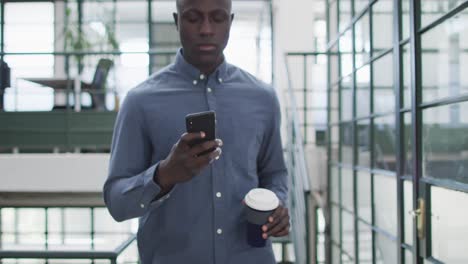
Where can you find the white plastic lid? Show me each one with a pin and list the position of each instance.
(261, 199)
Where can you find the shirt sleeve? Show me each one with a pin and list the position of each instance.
(271, 167)
(129, 190)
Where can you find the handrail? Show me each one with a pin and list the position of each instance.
(298, 180)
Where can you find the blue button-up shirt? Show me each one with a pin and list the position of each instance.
(201, 221)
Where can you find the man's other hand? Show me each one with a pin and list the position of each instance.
(278, 223)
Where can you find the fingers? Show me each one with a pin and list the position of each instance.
(282, 226)
(278, 223)
(197, 149)
(186, 138)
(283, 232)
(204, 160)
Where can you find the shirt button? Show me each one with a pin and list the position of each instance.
(202, 77)
(218, 194)
(195, 82)
(219, 231)
(142, 205)
(208, 89)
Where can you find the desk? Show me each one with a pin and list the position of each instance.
(64, 246)
(61, 86)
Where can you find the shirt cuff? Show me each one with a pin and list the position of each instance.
(152, 189)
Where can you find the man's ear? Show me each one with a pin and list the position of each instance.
(176, 20)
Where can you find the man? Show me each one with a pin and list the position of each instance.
(190, 207)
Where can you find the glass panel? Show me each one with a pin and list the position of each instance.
(449, 225)
(333, 17)
(364, 147)
(384, 143)
(348, 234)
(99, 23)
(408, 257)
(335, 185)
(432, 10)
(445, 144)
(161, 11)
(406, 70)
(336, 255)
(346, 142)
(382, 17)
(334, 64)
(31, 224)
(346, 53)
(442, 61)
(363, 91)
(364, 195)
(359, 5)
(407, 207)
(251, 33)
(362, 38)
(408, 144)
(54, 220)
(1, 29)
(345, 14)
(405, 7)
(346, 259)
(385, 250)
(77, 220)
(365, 243)
(346, 99)
(334, 105)
(8, 220)
(103, 222)
(385, 202)
(335, 143)
(347, 197)
(384, 92)
(335, 228)
(21, 27)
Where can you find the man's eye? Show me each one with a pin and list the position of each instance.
(219, 17)
(192, 18)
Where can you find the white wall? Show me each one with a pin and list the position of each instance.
(53, 172)
(293, 31)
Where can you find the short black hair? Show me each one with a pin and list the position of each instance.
(180, 2)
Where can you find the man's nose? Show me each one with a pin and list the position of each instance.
(206, 27)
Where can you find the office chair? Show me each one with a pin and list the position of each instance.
(4, 80)
(97, 86)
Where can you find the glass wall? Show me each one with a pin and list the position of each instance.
(66, 39)
(398, 144)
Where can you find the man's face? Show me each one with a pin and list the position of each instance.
(204, 27)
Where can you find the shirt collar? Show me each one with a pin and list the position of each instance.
(191, 72)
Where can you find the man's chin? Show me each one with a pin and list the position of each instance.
(208, 60)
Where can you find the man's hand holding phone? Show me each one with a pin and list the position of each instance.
(194, 151)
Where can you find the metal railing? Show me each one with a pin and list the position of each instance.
(66, 227)
(298, 180)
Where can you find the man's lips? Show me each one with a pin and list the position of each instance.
(207, 47)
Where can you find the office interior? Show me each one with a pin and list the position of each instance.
(374, 98)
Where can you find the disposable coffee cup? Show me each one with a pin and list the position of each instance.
(260, 204)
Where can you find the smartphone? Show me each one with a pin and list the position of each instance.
(203, 121)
